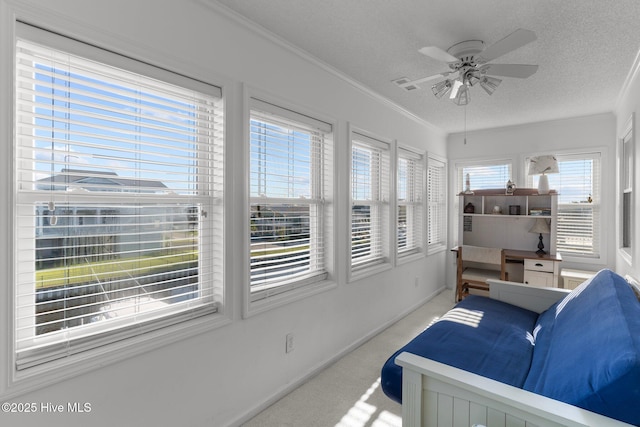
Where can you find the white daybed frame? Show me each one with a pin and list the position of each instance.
(438, 395)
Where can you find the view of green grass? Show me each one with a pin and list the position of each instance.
(109, 270)
(271, 251)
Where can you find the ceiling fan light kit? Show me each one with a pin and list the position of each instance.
(469, 59)
(462, 97)
(489, 84)
(442, 88)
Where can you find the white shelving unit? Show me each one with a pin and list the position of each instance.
(507, 229)
(502, 220)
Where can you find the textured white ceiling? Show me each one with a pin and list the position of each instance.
(585, 50)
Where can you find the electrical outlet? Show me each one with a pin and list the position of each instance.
(416, 282)
(289, 343)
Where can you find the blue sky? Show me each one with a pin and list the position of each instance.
(280, 161)
(91, 124)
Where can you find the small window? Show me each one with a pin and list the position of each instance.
(410, 178)
(437, 203)
(290, 179)
(370, 164)
(484, 175)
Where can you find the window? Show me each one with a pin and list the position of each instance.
(483, 175)
(626, 188)
(410, 178)
(290, 179)
(578, 187)
(370, 163)
(437, 203)
(119, 198)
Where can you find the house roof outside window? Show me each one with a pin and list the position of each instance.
(92, 180)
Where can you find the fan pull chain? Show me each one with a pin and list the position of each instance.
(465, 125)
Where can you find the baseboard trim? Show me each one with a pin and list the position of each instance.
(291, 386)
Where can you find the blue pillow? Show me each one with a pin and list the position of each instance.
(587, 349)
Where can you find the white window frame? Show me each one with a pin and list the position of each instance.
(437, 203)
(278, 292)
(596, 203)
(128, 341)
(414, 204)
(382, 214)
(626, 180)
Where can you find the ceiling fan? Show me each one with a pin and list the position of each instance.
(470, 60)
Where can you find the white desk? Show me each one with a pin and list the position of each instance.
(538, 270)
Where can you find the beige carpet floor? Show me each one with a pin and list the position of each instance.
(348, 393)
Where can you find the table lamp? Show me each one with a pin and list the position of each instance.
(542, 165)
(540, 226)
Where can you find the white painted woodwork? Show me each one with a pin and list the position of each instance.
(487, 402)
(532, 298)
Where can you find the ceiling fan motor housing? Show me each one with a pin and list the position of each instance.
(466, 52)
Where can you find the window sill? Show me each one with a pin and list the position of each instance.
(594, 260)
(625, 254)
(431, 250)
(53, 372)
(414, 256)
(368, 271)
(278, 300)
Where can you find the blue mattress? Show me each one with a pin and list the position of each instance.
(588, 349)
(479, 335)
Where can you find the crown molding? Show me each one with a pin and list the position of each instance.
(296, 50)
(631, 76)
(50, 19)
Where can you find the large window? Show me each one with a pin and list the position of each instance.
(370, 164)
(578, 186)
(118, 220)
(290, 179)
(437, 202)
(410, 179)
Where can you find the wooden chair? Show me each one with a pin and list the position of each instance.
(476, 264)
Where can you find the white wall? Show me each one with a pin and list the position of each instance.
(222, 376)
(628, 105)
(557, 136)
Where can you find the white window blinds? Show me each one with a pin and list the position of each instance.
(290, 163)
(484, 175)
(578, 186)
(437, 201)
(119, 197)
(410, 187)
(370, 163)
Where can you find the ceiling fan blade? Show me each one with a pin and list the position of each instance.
(513, 41)
(407, 84)
(519, 71)
(439, 54)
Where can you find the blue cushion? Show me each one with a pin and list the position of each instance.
(480, 335)
(587, 349)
